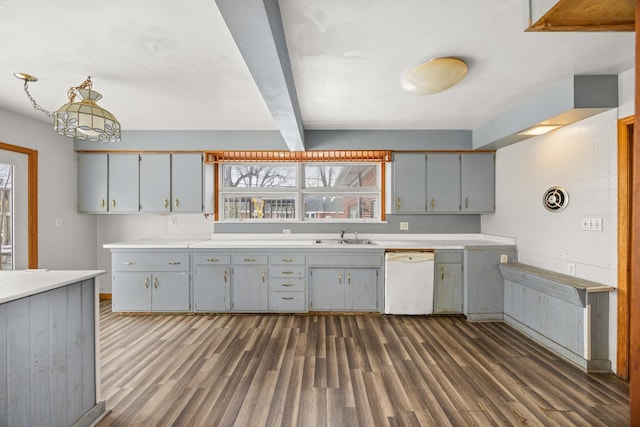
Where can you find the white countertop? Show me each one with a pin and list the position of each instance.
(308, 241)
(23, 283)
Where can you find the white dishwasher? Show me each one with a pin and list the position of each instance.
(408, 282)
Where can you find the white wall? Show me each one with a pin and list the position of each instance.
(73, 245)
(626, 93)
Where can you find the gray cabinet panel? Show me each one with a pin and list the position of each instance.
(337, 289)
(478, 182)
(123, 183)
(361, 289)
(170, 291)
(443, 182)
(448, 288)
(131, 291)
(327, 289)
(186, 182)
(93, 171)
(155, 183)
(409, 183)
(250, 290)
(212, 288)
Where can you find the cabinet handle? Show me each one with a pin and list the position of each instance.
(287, 298)
(433, 202)
(174, 263)
(213, 259)
(441, 273)
(166, 203)
(225, 276)
(249, 259)
(288, 285)
(176, 203)
(287, 272)
(466, 202)
(146, 282)
(287, 260)
(155, 282)
(128, 262)
(102, 203)
(264, 273)
(398, 203)
(349, 278)
(113, 203)
(339, 278)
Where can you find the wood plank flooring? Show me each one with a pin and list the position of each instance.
(335, 370)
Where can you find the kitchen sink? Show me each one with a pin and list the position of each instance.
(345, 242)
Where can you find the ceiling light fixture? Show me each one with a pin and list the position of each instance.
(539, 130)
(434, 76)
(83, 119)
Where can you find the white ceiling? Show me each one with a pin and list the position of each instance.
(174, 65)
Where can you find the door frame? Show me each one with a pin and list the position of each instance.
(32, 203)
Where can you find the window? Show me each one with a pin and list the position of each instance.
(300, 191)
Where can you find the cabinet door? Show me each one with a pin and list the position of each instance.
(250, 288)
(409, 183)
(92, 182)
(443, 182)
(155, 182)
(131, 291)
(361, 289)
(211, 288)
(170, 292)
(123, 183)
(448, 288)
(327, 289)
(186, 182)
(478, 182)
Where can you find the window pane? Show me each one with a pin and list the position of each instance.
(340, 207)
(259, 175)
(340, 176)
(246, 207)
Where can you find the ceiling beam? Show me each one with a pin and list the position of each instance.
(256, 27)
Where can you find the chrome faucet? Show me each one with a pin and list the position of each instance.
(342, 234)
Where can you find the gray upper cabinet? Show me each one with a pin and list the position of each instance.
(123, 183)
(186, 183)
(478, 182)
(93, 170)
(155, 183)
(443, 182)
(408, 183)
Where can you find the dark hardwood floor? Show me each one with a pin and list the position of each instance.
(339, 370)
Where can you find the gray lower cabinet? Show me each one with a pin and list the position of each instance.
(448, 285)
(250, 289)
(212, 282)
(151, 281)
(344, 289)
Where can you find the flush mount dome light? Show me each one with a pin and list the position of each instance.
(434, 76)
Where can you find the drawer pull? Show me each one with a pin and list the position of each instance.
(213, 259)
(155, 282)
(287, 298)
(128, 262)
(174, 263)
(146, 282)
(288, 285)
(287, 272)
(249, 259)
(287, 260)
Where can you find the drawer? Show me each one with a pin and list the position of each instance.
(288, 301)
(448, 256)
(212, 259)
(342, 259)
(133, 261)
(286, 259)
(249, 259)
(287, 271)
(282, 284)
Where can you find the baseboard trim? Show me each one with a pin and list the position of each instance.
(104, 297)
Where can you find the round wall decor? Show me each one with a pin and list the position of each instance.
(555, 199)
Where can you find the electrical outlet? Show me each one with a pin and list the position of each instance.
(504, 258)
(404, 225)
(173, 221)
(592, 223)
(58, 222)
(571, 269)
(286, 231)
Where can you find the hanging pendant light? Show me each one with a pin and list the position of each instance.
(83, 119)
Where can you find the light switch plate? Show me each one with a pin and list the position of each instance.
(504, 258)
